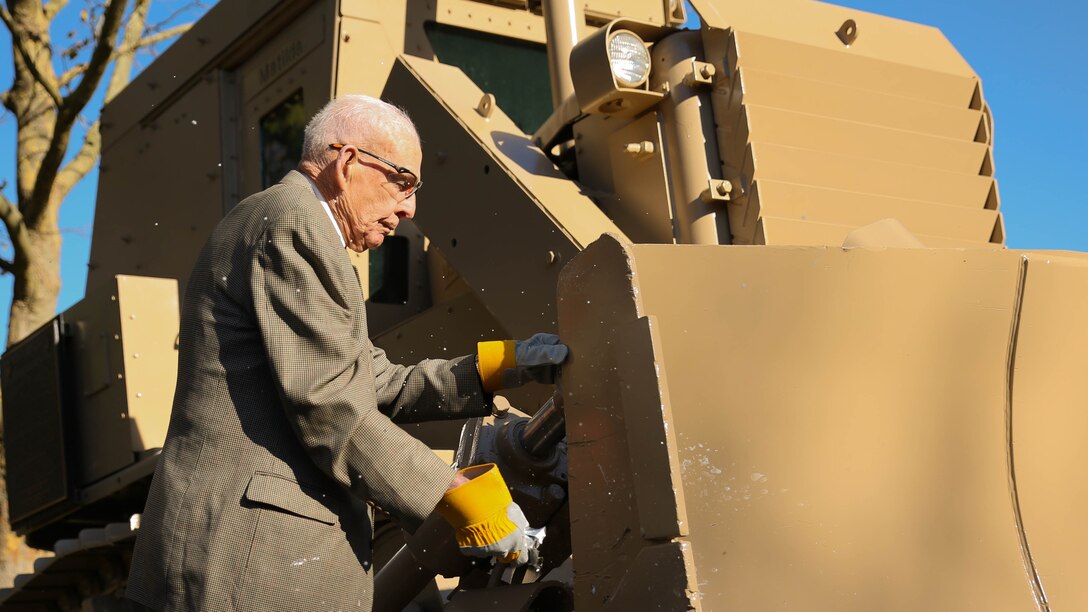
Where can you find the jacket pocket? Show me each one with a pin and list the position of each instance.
(289, 496)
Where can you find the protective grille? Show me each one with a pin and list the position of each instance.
(32, 373)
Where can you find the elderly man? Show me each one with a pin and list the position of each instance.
(283, 422)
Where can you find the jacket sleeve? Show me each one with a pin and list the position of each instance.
(322, 365)
(432, 390)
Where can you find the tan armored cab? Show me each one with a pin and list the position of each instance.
(805, 373)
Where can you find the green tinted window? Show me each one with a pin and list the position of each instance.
(281, 139)
(515, 71)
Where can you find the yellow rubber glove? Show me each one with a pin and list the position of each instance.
(488, 522)
(504, 364)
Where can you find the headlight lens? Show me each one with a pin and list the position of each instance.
(629, 59)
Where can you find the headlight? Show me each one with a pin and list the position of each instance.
(610, 68)
(628, 58)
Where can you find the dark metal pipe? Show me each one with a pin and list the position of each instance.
(547, 427)
(430, 551)
(399, 581)
(687, 122)
(563, 22)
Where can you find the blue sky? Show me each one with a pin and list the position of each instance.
(1034, 74)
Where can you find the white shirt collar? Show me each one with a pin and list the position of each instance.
(328, 211)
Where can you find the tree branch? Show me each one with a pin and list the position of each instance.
(7, 266)
(70, 109)
(195, 4)
(9, 213)
(80, 165)
(43, 74)
(128, 49)
(13, 221)
(122, 67)
(67, 76)
(158, 37)
(97, 65)
(50, 9)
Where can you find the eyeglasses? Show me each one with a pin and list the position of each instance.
(406, 181)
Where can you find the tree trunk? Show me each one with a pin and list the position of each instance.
(37, 283)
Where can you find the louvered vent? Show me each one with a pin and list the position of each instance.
(831, 119)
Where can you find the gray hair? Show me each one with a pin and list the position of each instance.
(358, 120)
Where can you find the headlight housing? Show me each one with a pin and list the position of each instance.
(611, 68)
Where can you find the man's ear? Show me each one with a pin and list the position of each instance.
(343, 166)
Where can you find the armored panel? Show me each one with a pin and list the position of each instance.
(865, 117)
(87, 395)
(35, 378)
(147, 312)
(660, 12)
(641, 204)
(776, 199)
(513, 185)
(1048, 436)
(853, 102)
(124, 357)
(280, 86)
(214, 37)
(840, 425)
(160, 184)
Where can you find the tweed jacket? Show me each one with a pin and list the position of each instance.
(283, 425)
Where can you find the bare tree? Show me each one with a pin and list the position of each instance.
(49, 97)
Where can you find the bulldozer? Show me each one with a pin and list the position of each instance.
(805, 371)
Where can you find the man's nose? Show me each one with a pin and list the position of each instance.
(407, 208)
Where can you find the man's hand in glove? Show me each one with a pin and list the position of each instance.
(505, 364)
(488, 522)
